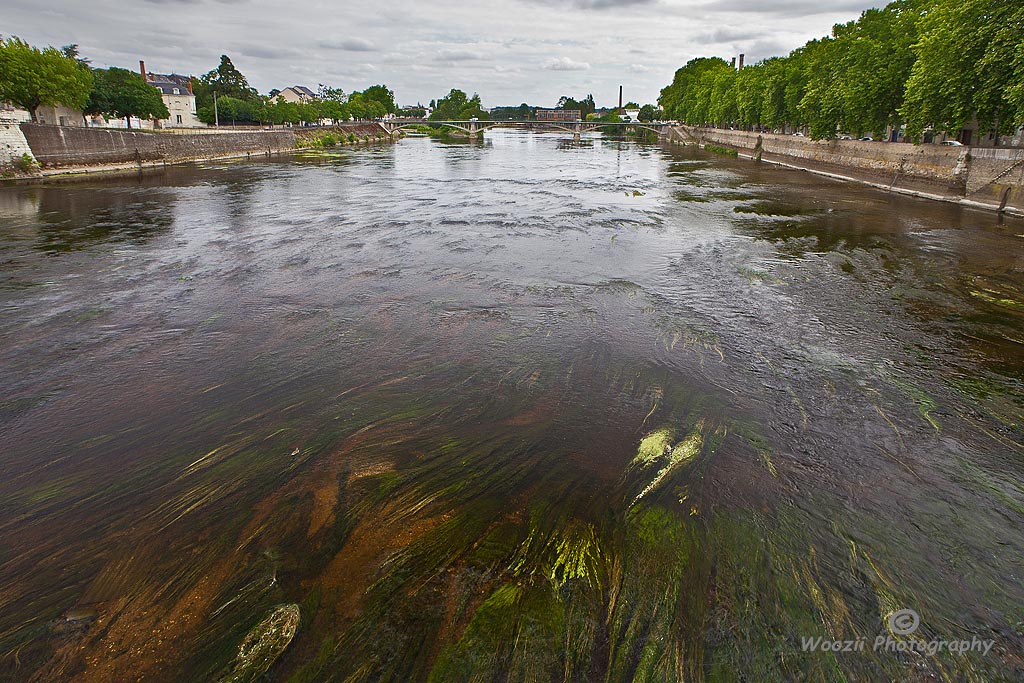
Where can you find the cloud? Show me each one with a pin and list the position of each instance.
(594, 4)
(729, 35)
(267, 52)
(348, 44)
(523, 50)
(458, 56)
(789, 8)
(565, 64)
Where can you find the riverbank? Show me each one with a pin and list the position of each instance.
(984, 178)
(57, 151)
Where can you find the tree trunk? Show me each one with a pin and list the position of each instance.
(128, 120)
(32, 114)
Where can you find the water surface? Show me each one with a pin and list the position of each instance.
(521, 410)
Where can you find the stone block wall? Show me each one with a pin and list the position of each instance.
(989, 175)
(65, 147)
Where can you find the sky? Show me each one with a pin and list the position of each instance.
(509, 52)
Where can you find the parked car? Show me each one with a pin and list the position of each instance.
(952, 143)
(799, 134)
(845, 137)
(866, 138)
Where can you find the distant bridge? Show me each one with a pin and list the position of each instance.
(471, 128)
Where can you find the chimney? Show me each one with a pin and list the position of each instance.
(620, 98)
(142, 70)
(733, 64)
(741, 60)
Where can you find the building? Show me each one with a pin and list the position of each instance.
(176, 92)
(296, 93)
(558, 114)
(57, 115)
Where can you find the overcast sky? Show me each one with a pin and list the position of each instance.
(509, 51)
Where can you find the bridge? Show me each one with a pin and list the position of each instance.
(471, 128)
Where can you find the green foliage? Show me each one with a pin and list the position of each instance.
(413, 112)
(928, 63)
(25, 163)
(721, 150)
(122, 94)
(375, 102)
(969, 64)
(649, 112)
(523, 112)
(320, 141)
(31, 78)
(585, 106)
(455, 106)
(226, 81)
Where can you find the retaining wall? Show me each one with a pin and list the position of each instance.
(985, 175)
(12, 143)
(64, 147)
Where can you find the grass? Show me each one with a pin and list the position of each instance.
(725, 151)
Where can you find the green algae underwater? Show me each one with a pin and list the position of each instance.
(505, 447)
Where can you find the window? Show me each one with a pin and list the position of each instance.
(176, 91)
(179, 118)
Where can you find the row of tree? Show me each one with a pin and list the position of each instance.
(224, 94)
(31, 78)
(922, 64)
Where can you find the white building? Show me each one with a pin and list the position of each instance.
(296, 93)
(176, 91)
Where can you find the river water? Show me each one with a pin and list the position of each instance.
(520, 410)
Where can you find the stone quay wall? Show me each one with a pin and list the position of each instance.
(57, 148)
(988, 177)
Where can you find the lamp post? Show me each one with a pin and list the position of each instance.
(216, 116)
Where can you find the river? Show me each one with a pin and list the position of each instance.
(518, 410)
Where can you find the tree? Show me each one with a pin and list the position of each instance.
(649, 112)
(585, 106)
(383, 95)
(31, 78)
(688, 96)
(326, 93)
(225, 81)
(71, 52)
(122, 94)
(334, 110)
(455, 106)
(965, 66)
(231, 109)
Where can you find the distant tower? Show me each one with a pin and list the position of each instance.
(620, 99)
(741, 60)
(733, 63)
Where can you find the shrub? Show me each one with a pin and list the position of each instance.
(25, 164)
(721, 150)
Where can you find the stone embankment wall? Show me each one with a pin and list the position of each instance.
(58, 148)
(12, 144)
(991, 176)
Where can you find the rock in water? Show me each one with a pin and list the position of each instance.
(264, 644)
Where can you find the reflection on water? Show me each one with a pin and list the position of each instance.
(524, 410)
